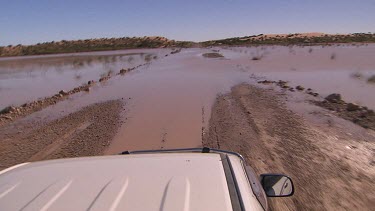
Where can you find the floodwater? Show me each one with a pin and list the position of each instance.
(168, 102)
(342, 69)
(24, 79)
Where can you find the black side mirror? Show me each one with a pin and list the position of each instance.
(277, 185)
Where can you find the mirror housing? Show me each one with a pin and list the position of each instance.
(277, 185)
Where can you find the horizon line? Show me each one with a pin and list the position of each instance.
(95, 38)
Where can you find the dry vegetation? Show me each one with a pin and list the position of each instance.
(90, 45)
(212, 55)
(371, 79)
(293, 39)
(103, 44)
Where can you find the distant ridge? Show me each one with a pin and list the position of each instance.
(103, 44)
(293, 39)
(87, 45)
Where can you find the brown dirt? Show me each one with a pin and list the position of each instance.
(84, 133)
(256, 123)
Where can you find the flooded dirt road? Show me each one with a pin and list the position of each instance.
(172, 102)
(24, 79)
(169, 100)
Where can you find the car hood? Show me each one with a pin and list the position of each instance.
(177, 181)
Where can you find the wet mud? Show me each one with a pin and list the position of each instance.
(273, 139)
(87, 132)
(360, 115)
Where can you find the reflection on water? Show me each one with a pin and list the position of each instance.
(25, 79)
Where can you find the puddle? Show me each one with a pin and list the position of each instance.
(169, 101)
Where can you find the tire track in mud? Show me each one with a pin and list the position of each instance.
(67, 137)
(86, 132)
(256, 123)
(203, 124)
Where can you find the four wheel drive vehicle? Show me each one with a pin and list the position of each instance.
(184, 179)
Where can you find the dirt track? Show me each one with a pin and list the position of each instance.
(84, 133)
(256, 123)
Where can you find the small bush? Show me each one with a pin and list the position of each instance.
(212, 55)
(78, 77)
(371, 79)
(148, 57)
(356, 75)
(6, 110)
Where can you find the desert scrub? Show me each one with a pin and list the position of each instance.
(356, 75)
(100, 44)
(256, 58)
(6, 110)
(371, 79)
(212, 55)
(294, 39)
(148, 57)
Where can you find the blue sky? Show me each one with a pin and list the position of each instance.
(33, 21)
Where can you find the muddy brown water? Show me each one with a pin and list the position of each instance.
(168, 102)
(23, 79)
(313, 67)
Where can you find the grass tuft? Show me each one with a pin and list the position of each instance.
(212, 55)
(371, 79)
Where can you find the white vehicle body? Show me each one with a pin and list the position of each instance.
(140, 181)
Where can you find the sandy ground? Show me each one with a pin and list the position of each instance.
(256, 123)
(84, 133)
